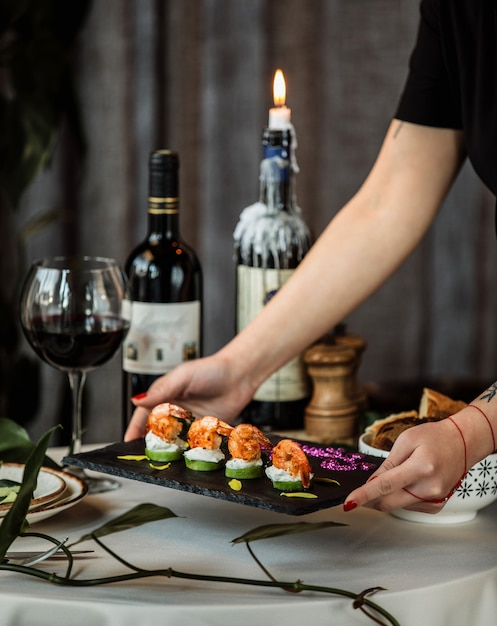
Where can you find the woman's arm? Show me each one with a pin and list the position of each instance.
(359, 250)
(361, 247)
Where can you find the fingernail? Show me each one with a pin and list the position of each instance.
(140, 396)
(350, 506)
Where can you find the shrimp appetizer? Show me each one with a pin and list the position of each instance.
(205, 438)
(165, 425)
(291, 470)
(245, 445)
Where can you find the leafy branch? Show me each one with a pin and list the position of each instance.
(14, 523)
(39, 111)
(37, 90)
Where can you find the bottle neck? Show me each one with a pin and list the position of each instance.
(163, 217)
(276, 173)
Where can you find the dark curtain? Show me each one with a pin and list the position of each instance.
(196, 76)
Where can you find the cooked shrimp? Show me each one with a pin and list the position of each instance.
(289, 456)
(167, 420)
(206, 432)
(245, 442)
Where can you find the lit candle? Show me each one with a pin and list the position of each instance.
(279, 115)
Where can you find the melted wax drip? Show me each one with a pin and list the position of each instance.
(264, 231)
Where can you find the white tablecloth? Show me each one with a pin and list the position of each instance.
(434, 575)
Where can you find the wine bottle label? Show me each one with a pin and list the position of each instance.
(255, 287)
(161, 336)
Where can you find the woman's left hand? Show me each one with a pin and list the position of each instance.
(420, 473)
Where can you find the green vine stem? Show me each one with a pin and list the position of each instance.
(360, 600)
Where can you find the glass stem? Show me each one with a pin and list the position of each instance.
(77, 382)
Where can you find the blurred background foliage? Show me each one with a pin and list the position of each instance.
(37, 99)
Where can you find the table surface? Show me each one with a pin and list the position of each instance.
(433, 574)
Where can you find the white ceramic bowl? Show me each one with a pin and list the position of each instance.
(478, 490)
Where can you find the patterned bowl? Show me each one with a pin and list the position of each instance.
(478, 490)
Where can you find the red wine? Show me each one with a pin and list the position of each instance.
(76, 343)
(166, 285)
(271, 239)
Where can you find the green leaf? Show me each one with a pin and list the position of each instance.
(269, 531)
(38, 56)
(12, 435)
(140, 514)
(39, 223)
(15, 444)
(14, 521)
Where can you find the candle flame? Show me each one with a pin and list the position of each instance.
(279, 89)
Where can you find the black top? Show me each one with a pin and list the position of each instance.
(452, 81)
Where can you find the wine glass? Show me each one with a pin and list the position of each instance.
(74, 315)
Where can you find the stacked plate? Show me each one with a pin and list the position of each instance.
(55, 491)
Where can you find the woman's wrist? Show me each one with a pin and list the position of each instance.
(487, 419)
(242, 363)
(478, 424)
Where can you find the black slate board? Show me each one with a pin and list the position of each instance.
(256, 492)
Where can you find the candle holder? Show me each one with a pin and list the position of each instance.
(338, 402)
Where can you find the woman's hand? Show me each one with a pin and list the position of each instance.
(423, 468)
(205, 386)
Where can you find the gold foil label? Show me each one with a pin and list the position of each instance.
(163, 206)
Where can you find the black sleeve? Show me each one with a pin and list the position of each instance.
(428, 97)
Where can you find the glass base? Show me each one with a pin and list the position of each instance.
(95, 483)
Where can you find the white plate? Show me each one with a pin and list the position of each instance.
(49, 486)
(75, 490)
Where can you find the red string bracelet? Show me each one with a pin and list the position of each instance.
(438, 501)
(459, 483)
(489, 425)
(464, 444)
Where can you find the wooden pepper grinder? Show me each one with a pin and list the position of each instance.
(343, 338)
(337, 403)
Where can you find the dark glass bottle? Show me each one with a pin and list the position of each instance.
(271, 239)
(166, 286)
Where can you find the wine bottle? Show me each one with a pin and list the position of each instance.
(271, 238)
(166, 286)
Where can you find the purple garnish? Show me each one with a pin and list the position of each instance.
(338, 459)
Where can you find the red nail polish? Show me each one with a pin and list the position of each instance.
(140, 396)
(350, 506)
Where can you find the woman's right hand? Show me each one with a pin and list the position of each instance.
(207, 386)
